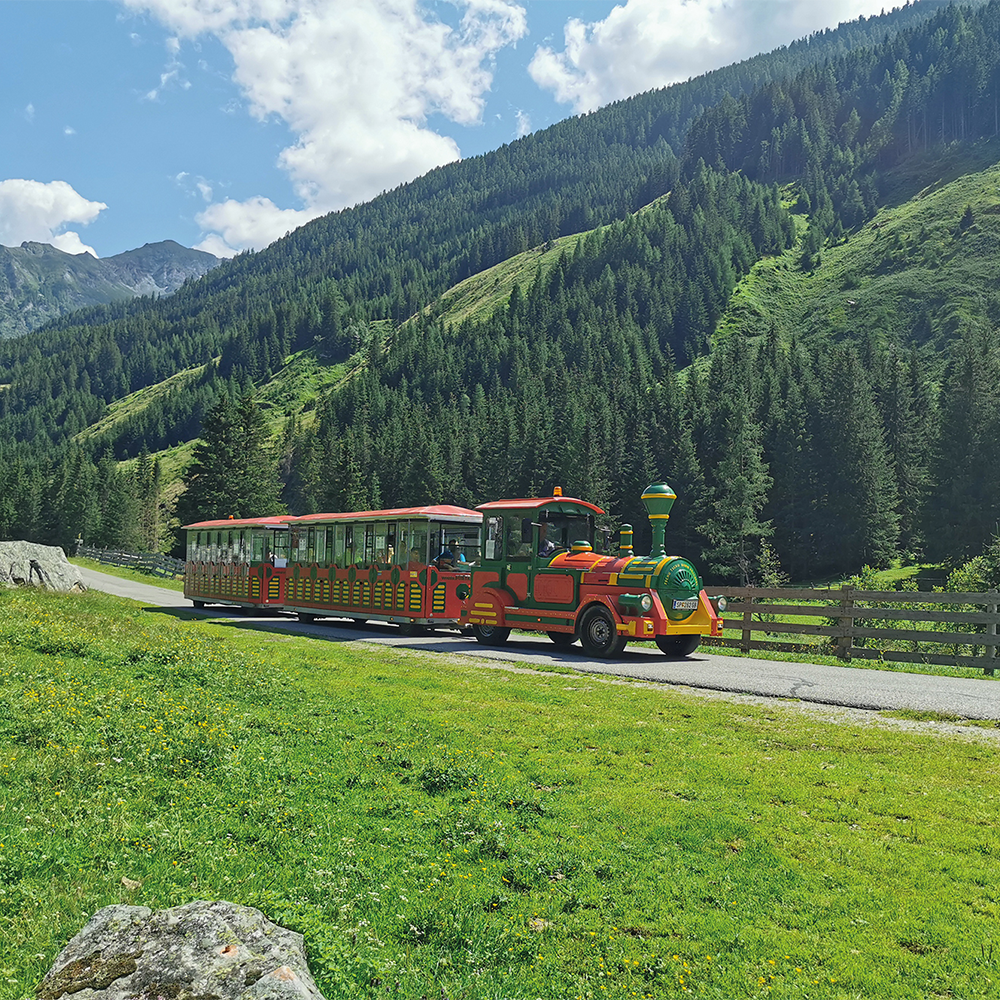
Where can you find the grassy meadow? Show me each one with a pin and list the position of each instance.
(439, 829)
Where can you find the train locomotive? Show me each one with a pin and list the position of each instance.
(539, 572)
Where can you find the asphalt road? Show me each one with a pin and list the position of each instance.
(973, 697)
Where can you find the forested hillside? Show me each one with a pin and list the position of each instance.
(833, 423)
(386, 259)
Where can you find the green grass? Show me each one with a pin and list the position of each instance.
(435, 828)
(134, 403)
(909, 273)
(480, 295)
(124, 573)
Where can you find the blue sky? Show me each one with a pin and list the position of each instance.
(222, 124)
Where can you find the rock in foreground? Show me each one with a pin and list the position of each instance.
(28, 564)
(192, 952)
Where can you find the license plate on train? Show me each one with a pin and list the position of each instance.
(688, 605)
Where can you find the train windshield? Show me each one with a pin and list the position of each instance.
(562, 530)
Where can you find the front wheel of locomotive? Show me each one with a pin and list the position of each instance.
(678, 645)
(490, 635)
(599, 634)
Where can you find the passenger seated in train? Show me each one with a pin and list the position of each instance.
(452, 557)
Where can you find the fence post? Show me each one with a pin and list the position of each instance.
(845, 641)
(992, 609)
(747, 621)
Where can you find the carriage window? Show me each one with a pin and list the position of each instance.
(339, 557)
(367, 539)
(350, 551)
(380, 554)
(493, 538)
(418, 545)
(518, 531)
(257, 547)
(401, 543)
(311, 546)
(280, 546)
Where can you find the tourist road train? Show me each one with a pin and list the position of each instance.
(530, 564)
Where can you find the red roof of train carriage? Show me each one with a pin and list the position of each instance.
(274, 521)
(440, 510)
(534, 503)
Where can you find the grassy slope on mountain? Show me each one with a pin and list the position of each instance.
(913, 273)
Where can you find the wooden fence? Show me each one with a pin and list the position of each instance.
(145, 562)
(901, 626)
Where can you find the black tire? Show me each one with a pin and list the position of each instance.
(306, 616)
(562, 638)
(198, 605)
(490, 635)
(678, 645)
(599, 634)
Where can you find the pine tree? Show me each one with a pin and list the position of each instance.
(740, 483)
(861, 522)
(233, 473)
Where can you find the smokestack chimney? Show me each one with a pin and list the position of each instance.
(658, 498)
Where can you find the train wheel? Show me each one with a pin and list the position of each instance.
(678, 645)
(599, 634)
(305, 616)
(490, 635)
(562, 638)
(198, 605)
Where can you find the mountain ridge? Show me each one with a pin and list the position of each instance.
(39, 282)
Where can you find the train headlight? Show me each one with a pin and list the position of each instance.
(720, 604)
(635, 604)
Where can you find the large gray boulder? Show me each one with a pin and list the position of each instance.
(200, 951)
(25, 563)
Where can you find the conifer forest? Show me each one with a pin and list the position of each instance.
(774, 287)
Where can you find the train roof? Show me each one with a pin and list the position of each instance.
(431, 513)
(274, 521)
(561, 504)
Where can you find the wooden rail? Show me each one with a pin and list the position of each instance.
(962, 631)
(153, 563)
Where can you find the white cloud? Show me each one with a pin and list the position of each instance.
(69, 130)
(356, 81)
(171, 72)
(235, 225)
(523, 123)
(38, 212)
(644, 44)
(29, 112)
